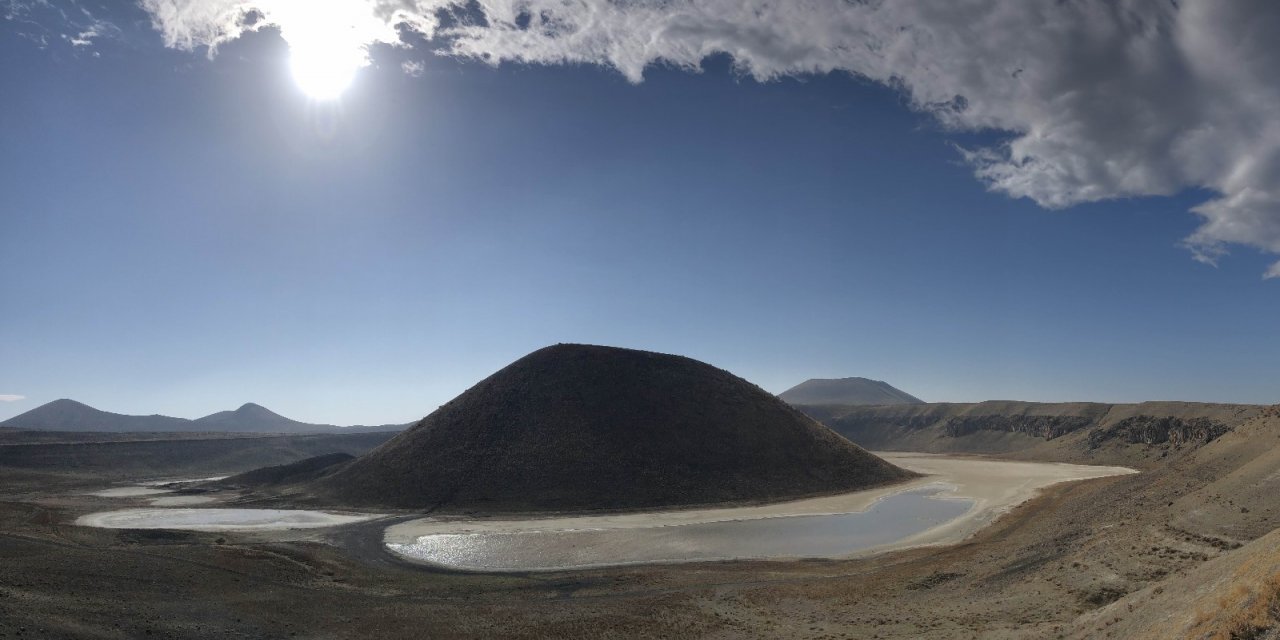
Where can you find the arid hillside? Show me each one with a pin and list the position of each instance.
(1185, 549)
(1080, 431)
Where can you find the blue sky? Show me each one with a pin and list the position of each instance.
(180, 235)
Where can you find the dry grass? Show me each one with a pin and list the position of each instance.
(1247, 612)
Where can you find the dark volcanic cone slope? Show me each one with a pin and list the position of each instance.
(575, 427)
(299, 471)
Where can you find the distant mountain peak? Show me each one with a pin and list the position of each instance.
(252, 408)
(850, 380)
(249, 417)
(65, 414)
(67, 403)
(848, 391)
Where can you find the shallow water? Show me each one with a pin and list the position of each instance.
(155, 483)
(891, 519)
(181, 501)
(150, 488)
(218, 519)
(128, 492)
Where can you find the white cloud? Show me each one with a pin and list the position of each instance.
(413, 68)
(1101, 99)
(11, 397)
(85, 37)
(347, 24)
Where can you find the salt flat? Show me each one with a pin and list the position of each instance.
(986, 487)
(218, 519)
(128, 492)
(181, 501)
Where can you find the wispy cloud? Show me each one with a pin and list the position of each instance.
(45, 21)
(1101, 99)
(11, 397)
(85, 37)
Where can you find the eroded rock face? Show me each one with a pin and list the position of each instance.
(1001, 426)
(1153, 430)
(1047, 427)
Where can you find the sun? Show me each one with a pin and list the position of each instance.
(327, 44)
(323, 74)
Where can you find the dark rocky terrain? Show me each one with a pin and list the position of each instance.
(69, 415)
(846, 391)
(574, 427)
(301, 471)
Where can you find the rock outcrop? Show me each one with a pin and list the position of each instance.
(1158, 430)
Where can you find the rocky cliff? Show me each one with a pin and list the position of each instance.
(1007, 427)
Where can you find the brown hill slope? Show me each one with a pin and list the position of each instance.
(576, 427)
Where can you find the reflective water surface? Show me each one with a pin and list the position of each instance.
(893, 518)
(181, 501)
(128, 492)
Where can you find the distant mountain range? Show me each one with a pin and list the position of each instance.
(846, 391)
(69, 415)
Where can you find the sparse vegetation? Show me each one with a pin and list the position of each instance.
(1249, 611)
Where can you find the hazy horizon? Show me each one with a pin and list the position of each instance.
(995, 216)
(26, 404)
